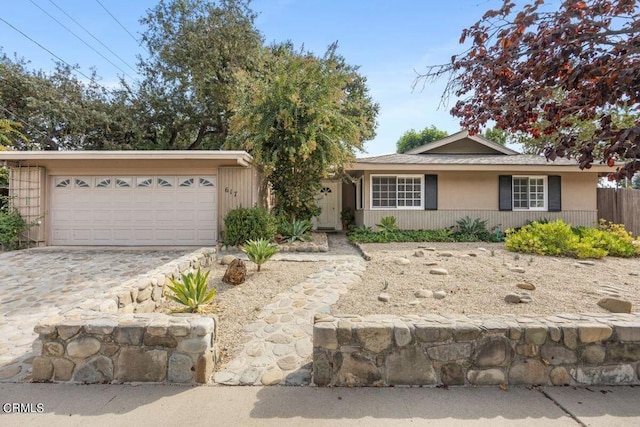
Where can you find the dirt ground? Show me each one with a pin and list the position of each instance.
(480, 276)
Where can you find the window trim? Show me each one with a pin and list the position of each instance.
(359, 194)
(545, 185)
(397, 208)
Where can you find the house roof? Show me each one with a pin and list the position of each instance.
(466, 159)
(241, 158)
(451, 140)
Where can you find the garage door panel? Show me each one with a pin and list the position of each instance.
(136, 215)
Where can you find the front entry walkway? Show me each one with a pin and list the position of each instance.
(279, 346)
(38, 283)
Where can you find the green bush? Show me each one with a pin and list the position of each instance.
(191, 291)
(473, 230)
(366, 235)
(12, 225)
(260, 251)
(559, 239)
(299, 230)
(244, 224)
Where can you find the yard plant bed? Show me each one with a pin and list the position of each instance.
(478, 278)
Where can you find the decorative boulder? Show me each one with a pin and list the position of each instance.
(236, 273)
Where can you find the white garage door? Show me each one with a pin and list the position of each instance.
(133, 210)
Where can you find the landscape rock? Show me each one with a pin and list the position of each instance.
(402, 261)
(423, 293)
(419, 253)
(236, 273)
(383, 297)
(439, 294)
(526, 286)
(517, 269)
(445, 254)
(512, 298)
(439, 271)
(615, 305)
(227, 259)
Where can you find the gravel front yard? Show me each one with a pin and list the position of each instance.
(478, 278)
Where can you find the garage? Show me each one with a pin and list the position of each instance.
(118, 210)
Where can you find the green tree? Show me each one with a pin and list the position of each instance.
(196, 49)
(414, 139)
(496, 135)
(301, 117)
(9, 132)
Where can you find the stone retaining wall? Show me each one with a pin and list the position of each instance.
(476, 350)
(144, 293)
(102, 341)
(126, 348)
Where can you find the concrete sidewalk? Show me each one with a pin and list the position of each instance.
(161, 405)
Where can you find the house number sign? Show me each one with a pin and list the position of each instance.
(231, 191)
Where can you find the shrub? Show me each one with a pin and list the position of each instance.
(387, 224)
(192, 291)
(260, 251)
(12, 225)
(472, 230)
(558, 238)
(298, 230)
(244, 224)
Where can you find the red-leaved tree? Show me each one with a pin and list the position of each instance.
(535, 71)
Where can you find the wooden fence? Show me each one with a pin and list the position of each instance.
(621, 206)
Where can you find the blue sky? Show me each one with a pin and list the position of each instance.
(388, 39)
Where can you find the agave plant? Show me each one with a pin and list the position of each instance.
(298, 230)
(260, 251)
(191, 291)
(387, 224)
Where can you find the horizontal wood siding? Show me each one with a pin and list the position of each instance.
(428, 220)
(621, 206)
(237, 187)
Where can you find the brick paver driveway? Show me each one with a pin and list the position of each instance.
(38, 283)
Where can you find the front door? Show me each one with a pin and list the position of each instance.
(328, 203)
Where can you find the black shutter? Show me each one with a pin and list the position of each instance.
(505, 193)
(431, 192)
(555, 193)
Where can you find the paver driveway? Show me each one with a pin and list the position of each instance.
(38, 283)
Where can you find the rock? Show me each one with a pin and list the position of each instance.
(431, 263)
(402, 261)
(236, 273)
(180, 368)
(272, 377)
(428, 248)
(445, 254)
(83, 347)
(586, 262)
(512, 298)
(423, 293)
(419, 253)
(525, 299)
(383, 297)
(409, 366)
(414, 302)
(439, 294)
(472, 254)
(439, 271)
(98, 370)
(526, 286)
(634, 274)
(227, 259)
(615, 305)
(516, 269)
(482, 249)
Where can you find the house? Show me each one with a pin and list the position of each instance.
(435, 185)
(130, 197)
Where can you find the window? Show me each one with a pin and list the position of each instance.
(143, 182)
(206, 182)
(530, 193)
(188, 182)
(63, 182)
(123, 182)
(103, 182)
(165, 182)
(82, 183)
(396, 192)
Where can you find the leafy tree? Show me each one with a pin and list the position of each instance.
(9, 132)
(196, 48)
(496, 135)
(414, 139)
(536, 72)
(301, 117)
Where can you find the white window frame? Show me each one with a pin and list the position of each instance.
(397, 208)
(545, 184)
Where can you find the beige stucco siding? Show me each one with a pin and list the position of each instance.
(238, 187)
(579, 191)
